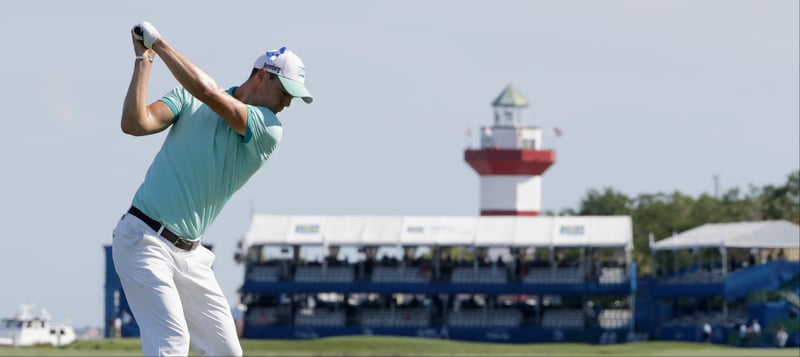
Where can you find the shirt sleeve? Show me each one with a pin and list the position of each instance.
(175, 100)
(263, 133)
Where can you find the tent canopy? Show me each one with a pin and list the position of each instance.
(482, 231)
(763, 234)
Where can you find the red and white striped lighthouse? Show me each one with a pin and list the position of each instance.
(510, 160)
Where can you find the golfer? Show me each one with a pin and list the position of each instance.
(218, 138)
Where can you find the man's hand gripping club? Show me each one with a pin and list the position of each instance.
(146, 32)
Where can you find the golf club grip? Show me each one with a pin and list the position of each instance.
(138, 30)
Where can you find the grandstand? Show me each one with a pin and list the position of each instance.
(500, 278)
(727, 275)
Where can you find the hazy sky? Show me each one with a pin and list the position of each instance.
(651, 96)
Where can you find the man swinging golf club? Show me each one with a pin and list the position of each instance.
(218, 138)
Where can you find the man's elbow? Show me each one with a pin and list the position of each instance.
(133, 130)
(206, 90)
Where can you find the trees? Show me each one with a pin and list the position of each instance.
(665, 213)
(782, 202)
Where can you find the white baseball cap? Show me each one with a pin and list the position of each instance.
(290, 71)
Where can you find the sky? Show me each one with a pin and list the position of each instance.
(651, 96)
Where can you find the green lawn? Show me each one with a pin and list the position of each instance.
(401, 346)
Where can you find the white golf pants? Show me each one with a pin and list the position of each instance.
(173, 294)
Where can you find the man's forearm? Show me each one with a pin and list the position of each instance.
(191, 77)
(134, 109)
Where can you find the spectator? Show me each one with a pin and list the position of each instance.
(781, 336)
(126, 317)
(707, 332)
(117, 327)
(238, 318)
(755, 329)
(500, 263)
(742, 334)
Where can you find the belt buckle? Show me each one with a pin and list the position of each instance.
(188, 244)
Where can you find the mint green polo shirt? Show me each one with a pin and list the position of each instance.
(202, 162)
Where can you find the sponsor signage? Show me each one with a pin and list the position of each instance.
(306, 228)
(572, 230)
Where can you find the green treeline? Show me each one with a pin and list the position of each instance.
(666, 213)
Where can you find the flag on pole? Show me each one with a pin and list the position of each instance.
(557, 132)
(467, 137)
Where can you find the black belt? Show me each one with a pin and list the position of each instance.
(173, 238)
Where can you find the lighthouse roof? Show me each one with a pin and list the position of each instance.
(510, 97)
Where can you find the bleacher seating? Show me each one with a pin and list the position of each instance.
(465, 318)
(320, 318)
(481, 318)
(395, 318)
(563, 318)
(503, 318)
(614, 318)
(376, 318)
(482, 275)
(613, 275)
(268, 273)
(557, 276)
(257, 316)
(401, 274)
(322, 273)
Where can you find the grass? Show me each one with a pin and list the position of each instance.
(403, 346)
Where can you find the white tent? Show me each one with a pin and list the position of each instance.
(763, 234)
(481, 231)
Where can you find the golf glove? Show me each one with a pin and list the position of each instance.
(146, 32)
